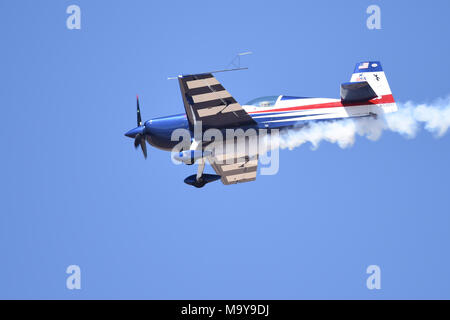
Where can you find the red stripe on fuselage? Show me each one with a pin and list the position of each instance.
(384, 99)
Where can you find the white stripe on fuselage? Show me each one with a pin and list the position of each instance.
(306, 114)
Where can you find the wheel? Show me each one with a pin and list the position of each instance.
(204, 179)
(200, 183)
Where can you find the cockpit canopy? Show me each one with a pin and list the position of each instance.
(267, 101)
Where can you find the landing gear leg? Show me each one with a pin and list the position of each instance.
(199, 181)
(201, 167)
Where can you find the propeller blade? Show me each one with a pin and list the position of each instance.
(144, 148)
(137, 140)
(139, 119)
(140, 140)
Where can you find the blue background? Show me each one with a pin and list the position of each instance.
(74, 191)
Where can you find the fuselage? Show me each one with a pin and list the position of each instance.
(276, 112)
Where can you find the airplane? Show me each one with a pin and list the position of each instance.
(206, 101)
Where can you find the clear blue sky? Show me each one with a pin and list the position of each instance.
(74, 191)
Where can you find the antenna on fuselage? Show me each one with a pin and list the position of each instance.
(234, 65)
(236, 62)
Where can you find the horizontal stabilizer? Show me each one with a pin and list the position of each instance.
(357, 91)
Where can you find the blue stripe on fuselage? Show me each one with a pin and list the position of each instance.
(159, 130)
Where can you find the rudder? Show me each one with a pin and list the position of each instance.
(372, 72)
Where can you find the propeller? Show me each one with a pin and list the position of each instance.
(140, 137)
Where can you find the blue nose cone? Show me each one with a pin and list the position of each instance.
(134, 132)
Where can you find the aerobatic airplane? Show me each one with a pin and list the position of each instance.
(206, 100)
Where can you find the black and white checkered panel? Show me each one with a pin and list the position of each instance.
(207, 100)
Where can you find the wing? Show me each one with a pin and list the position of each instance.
(207, 100)
(235, 170)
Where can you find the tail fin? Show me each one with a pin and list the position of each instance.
(372, 72)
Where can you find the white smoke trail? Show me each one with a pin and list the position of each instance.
(407, 121)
